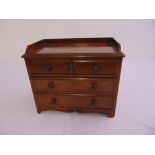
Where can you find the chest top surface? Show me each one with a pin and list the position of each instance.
(74, 47)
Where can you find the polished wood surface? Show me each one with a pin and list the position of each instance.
(34, 50)
(74, 100)
(88, 67)
(87, 85)
(49, 67)
(75, 74)
(79, 48)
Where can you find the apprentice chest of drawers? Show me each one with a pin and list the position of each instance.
(75, 74)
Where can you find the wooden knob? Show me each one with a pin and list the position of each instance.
(48, 67)
(51, 85)
(78, 110)
(94, 86)
(54, 100)
(95, 69)
(93, 102)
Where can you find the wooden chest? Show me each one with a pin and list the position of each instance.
(78, 74)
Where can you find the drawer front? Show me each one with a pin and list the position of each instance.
(73, 100)
(49, 67)
(94, 85)
(107, 68)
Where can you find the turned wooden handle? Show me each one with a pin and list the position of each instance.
(93, 102)
(94, 85)
(48, 67)
(95, 69)
(51, 85)
(54, 100)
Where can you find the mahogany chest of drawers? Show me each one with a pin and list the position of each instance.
(77, 74)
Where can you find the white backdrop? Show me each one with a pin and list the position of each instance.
(137, 37)
(135, 113)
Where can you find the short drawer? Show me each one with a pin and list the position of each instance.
(74, 100)
(49, 67)
(107, 68)
(90, 85)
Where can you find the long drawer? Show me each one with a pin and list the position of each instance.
(74, 100)
(89, 85)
